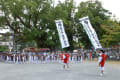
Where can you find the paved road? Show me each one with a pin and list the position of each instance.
(78, 71)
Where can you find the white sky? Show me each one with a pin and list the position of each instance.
(111, 5)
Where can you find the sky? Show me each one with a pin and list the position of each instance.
(111, 5)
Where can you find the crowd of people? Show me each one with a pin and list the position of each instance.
(41, 57)
(50, 57)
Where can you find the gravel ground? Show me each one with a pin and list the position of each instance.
(87, 70)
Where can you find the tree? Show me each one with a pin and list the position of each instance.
(112, 34)
(31, 19)
(97, 15)
(3, 48)
(65, 12)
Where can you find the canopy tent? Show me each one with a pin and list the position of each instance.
(31, 49)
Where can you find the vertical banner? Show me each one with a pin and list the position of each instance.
(90, 32)
(62, 34)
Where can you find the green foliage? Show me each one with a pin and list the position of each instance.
(97, 15)
(112, 35)
(30, 19)
(33, 21)
(3, 48)
(64, 11)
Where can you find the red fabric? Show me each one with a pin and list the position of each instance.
(89, 55)
(103, 60)
(32, 48)
(43, 49)
(61, 56)
(66, 58)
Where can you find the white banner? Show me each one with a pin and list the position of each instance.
(62, 34)
(90, 32)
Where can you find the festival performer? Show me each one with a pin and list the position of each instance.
(14, 57)
(65, 60)
(90, 56)
(61, 57)
(101, 60)
(17, 58)
(29, 56)
(23, 57)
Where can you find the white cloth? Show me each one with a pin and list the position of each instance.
(64, 56)
(100, 59)
(102, 68)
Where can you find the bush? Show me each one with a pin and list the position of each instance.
(3, 48)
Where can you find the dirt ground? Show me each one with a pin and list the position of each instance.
(87, 70)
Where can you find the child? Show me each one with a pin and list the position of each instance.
(65, 60)
(101, 61)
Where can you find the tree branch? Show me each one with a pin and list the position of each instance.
(8, 23)
(28, 26)
(29, 19)
(35, 21)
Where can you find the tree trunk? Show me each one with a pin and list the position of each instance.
(40, 44)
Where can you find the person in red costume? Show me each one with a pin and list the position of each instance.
(65, 60)
(101, 60)
(90, 56)
(61, 57)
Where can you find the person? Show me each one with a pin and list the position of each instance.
(61, 57)
(101, 60)
(65, 60)
(90, 56)
(30, 56)
(45, 57)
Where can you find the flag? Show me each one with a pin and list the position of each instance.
(62, 35)
(90, 32)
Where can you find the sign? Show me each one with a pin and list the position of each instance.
(90, 32)
(62, 34)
